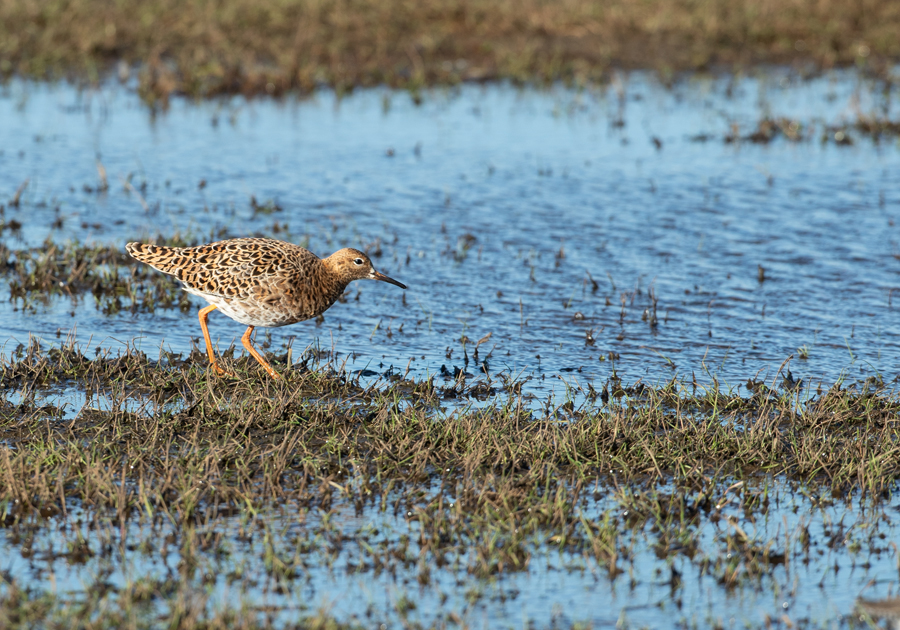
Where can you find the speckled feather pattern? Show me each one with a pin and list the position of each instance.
(255, 281)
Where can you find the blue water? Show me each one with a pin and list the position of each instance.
(497, 206)
(528, 175)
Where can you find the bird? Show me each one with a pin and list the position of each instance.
(259, 282)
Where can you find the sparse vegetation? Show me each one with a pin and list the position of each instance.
(73, 270)
(180, 450)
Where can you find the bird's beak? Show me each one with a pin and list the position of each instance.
(380, 276)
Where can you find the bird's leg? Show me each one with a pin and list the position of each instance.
(204, 315)
(256, 355)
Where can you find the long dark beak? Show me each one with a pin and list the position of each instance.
(380, 276)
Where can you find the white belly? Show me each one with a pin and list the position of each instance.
(247, 312)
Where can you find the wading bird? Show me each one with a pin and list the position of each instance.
(259, 282)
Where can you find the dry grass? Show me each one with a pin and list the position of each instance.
(204, 48)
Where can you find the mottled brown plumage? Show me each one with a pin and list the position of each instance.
(259, 281)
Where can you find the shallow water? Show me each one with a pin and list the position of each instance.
(818, 585)
(494, 208)
(497, 206)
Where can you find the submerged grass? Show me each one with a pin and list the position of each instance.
(74, 270)
(488, 485)
(239, 46)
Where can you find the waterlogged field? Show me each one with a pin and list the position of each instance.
(644, 374)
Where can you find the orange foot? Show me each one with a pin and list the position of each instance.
(220, 371)
(256, 355)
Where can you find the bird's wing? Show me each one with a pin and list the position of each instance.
(236, 268)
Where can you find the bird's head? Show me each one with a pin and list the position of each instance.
(351, 264)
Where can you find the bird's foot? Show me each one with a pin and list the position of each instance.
(272, 373)
(220, 371)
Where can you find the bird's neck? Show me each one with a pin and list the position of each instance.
(333, 281)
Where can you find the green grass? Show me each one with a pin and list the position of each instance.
(259, 434)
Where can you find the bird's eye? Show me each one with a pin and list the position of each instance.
(359, 261)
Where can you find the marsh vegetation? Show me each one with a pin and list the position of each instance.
(240, 46)
(259, 477)
(645, 373)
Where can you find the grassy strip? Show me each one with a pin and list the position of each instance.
(197, 442)
(131, 608)
(202, 48)
(487, 487)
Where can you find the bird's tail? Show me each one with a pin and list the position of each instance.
(166, 259)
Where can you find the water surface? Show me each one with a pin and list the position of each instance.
(558, 221)
(497, 206)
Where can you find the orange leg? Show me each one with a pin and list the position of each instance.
(256, 355)
(204, 315)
